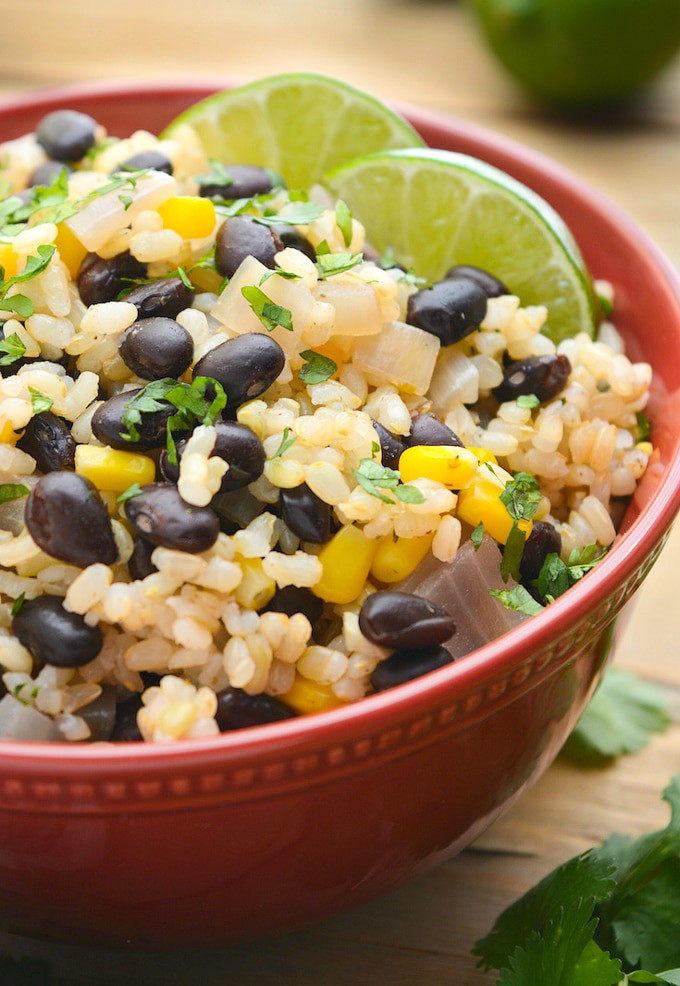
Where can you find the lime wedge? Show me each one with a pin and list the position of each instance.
(438, 208)
(299, 124)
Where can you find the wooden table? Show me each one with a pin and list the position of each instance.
(426, 52)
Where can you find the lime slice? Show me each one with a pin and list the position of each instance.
(299, 124)
(438, 208)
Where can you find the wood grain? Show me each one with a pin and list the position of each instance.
(424, 52)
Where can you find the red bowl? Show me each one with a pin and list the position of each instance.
(220, 840)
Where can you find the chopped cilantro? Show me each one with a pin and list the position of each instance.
(287, 275)
(183, 276)
(323, 249)
(147, 401)
(623, 714)
(643, 427)
(13, 347)
(477, 535)
(375, 448)
(517, 599)
(388, 259)
(527, 400)
(556, 577)
(12, 491)
(205, 263)
(129, 493)
(16, 691)
(317, 367)
(126, 201)
(304, 214)
(18, 603)
(521, 496)
(512, 554)
(193, 406)
(373, 477)
(19, 303)
(268, 312)
(343, 220)
(40, 402)
(410, 277)
(286, 443)
(218, 175)
(606, 305)
(329, 264)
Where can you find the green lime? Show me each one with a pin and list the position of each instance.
(437, 209)
(581, 52)
(299, 124)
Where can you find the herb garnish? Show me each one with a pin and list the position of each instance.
(527, 400)
(643, 426)
(477, 535)
(39, 402)
(13, 347)
(317, 368)
(304, 214)
(134, 490)
(343, 220)
(19, 303)
(329, 264)
(521, 498)
(373, 477)
(218, 175)
(268, 312)
(517, 599)
(12, 491)
(556, 577)
(18, 603)
(286, 443)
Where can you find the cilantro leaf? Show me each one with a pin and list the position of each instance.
(410, 277)
(409, 494)
(18, 603)
(147, 401)
(134, 490)
(388, 259)
(477, 535)
(19, 304)
(564, 955)
(374, 477)
(317, 368)
(268, 312)
(557, 576)
(643, 427)
(40, 402)
(527, 400)
(323, 249)
(517, 599)
(512, 554)
(521, 496)
(286, 443)
(304, 214)
(623, 714)
(13, 347)
(343, 220)
(218, 175)
(12, 491)
(329, 264)
(606, 305)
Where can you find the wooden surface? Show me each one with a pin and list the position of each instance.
(426, 52)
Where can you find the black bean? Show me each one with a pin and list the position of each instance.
(306, 514)
(449, 310)
(240, 237)
(139, 563)
(291, 237)
(237, 445)
(237, 709)
(544, 540)
(68, 520)
(157, 347)
(399, 619)
(107, 424)
(429, 430)
(49, 440)
(101, 280)
(161, 516)
(246, 366)
(66, 135)
(543, 376)
(391, 446)
(55, 636)
(100, 714)
(246, 180)
(294, 599)
(47, 173)
(125, 728)
(155, 160)
(167, 296)
(490, 285)
(405, 665)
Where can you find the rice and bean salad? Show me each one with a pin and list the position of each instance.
(249, 469)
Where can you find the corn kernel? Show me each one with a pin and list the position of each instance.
(191, 216)
(256, 587)
(8, 260)
(483, 454)
(480, 503)
(309, 696)
(71, 250)
(111, 469)
(396, 560)
(448, 464)
(645, 447)
(7, 433)
(346, 561)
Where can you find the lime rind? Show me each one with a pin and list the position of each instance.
(440, 208)
(300, 124)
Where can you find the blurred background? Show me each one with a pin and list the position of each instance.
(433, 53)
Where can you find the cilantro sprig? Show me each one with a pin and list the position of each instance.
(518, 599)
(330, 264)
(376, 478)
(13, 348)
(521, 498)
(268, 312)
(556, 576)
(317, 367)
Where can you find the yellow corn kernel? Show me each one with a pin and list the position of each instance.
(448, 464)
(111, 469)
(396, 560)
(71, 250)
(191, 216)
(346, 561)
(645, 447)
(480, 503)
(8, 260)
(205, 279)
(7, 433)
(256, 588)
(483, 454)
(309, 696)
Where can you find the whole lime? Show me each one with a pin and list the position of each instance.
(581, 52)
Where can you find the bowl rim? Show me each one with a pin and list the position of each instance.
(497, 658)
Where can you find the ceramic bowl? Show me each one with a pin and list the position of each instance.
(235, 837)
